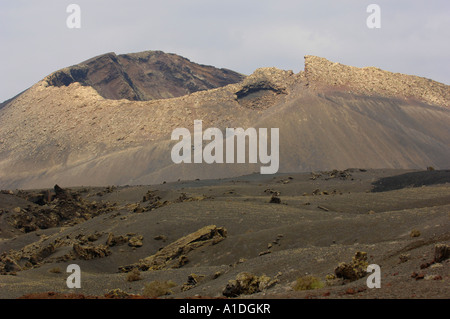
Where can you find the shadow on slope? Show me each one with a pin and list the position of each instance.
(413, 179)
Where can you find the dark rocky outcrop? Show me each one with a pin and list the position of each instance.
(63, 207)
(143, 76)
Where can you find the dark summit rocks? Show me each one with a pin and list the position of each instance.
(143, 76)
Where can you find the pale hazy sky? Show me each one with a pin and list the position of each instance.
(414, 37)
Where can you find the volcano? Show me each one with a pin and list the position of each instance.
(108, 120)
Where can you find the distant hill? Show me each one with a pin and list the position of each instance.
(108, 120)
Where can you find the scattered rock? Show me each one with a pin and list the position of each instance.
(117, 294)
(42, 198)
(55, 270)
(183, 198)
(264, 253)
(344, 175)
(350, 291)
(95, 236)
(90, 252)
(426, 265)
(148, 196)
(441, 252)
(417, 276)
(160, 237)
(272, 192)
(134, 275)
(414, 233)
(116, 240)
(277, 240)
(153, 202)
(61, 193)
(275, 200)
(192, 281)
(247, 284)
(355, 270)
(404, 258)
(30, 256)
(156, 288)
(308, 283)
(174, 254)
(436, 265)
(66, 209)
(136, 241)
(42, 254)
(8, 265)
(180, 262)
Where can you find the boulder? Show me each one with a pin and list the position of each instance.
(247, 284)
(355, 270)
(174, 254)
(441, 252)
(90, 252)
(61, 193)
(116, 240)
(136, 241)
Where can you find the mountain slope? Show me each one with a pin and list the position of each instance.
(330, 116)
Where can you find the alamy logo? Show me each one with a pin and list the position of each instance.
(374, 19)
(374, 280)
(214, 151)
(73, 21)
(74, 280)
